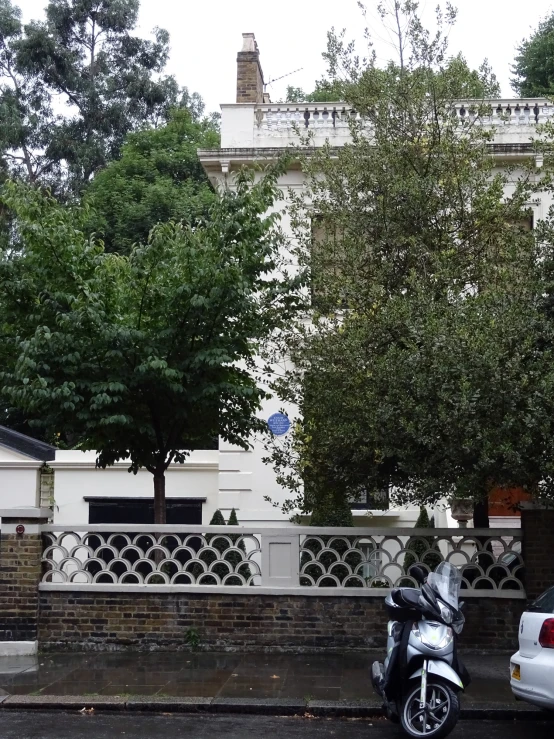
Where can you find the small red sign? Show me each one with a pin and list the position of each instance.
(20, 529)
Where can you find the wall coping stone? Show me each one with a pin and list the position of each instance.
(252, 592)
(293, 530)
(28, 512)
(18, 648)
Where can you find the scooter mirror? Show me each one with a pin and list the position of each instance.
(462, 605)
(418, 573)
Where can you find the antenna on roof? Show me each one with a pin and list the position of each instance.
(267, 84)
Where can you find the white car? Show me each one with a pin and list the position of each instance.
(532, 668)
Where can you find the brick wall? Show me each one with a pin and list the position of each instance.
(492, 624)
(538, 550)
(250, 84)
(104, 621)
(20, 570)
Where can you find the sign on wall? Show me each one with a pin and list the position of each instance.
(278, 424)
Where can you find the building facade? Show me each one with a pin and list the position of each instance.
(254, 131)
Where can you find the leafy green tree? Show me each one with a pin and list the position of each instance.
(419, 370)
(325, 92)
(158, 178)
(303, 461)
(533, 67)
(5, 216)
(331, 510)
(424, 550)
(472, 83)
(25, 106)
(104, 80)
(146, 356)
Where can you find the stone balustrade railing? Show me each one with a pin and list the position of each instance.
(288, 119)
(279, 119)
(323, 560)
(516, 112)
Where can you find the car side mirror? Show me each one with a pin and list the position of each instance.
(418, 573)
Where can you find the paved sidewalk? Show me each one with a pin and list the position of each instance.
(207, 680)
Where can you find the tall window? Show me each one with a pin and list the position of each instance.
(325, 259)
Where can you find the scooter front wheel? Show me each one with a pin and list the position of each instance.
(439, 716)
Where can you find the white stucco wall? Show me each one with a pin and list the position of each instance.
(77, 478)
(19, 479)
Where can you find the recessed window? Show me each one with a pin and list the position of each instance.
(186, 511)
(370, 500)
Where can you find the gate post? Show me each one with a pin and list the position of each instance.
(537, 524)
(20, 574)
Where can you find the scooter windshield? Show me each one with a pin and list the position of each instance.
(446, 581)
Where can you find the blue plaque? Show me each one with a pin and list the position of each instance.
(278, 424)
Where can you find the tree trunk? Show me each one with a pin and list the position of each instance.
(481, 521)
(159, 498)
(481, 514)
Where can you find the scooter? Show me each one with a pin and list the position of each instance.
(422, 676)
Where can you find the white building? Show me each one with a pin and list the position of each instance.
(253, 130)
(22, 462)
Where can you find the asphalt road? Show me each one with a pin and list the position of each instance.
(57, 725)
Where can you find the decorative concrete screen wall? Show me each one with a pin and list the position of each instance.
(107, 557)
(297, 589)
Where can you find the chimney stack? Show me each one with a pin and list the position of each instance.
(250, 78)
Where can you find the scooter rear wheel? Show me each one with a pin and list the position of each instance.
(440, 715)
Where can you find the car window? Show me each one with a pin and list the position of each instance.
(544, 603)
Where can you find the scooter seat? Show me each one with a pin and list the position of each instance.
(406, 597)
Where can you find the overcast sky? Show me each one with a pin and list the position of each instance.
(206, 35)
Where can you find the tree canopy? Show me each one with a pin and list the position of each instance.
(533, 67)
(157, 178)
(420, 371)
(325, 92)
(401, 21)
(72, 87)
(149, 355)
(473, 84)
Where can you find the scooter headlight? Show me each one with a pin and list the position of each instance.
(431, 640)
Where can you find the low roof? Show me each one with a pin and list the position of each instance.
(26, 445)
